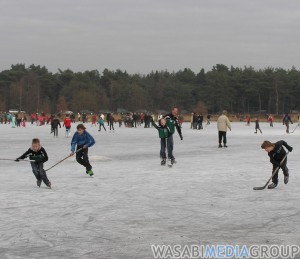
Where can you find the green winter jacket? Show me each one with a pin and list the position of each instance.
(163, 132)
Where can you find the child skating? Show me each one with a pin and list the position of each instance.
(164, 133)
(82, 140)
(276, 153)
(67, 124)
(39, 156)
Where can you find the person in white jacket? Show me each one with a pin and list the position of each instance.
(223, 123)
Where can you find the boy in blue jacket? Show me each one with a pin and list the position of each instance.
(83, 140)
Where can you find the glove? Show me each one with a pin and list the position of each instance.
(291, 149)
(181, 136)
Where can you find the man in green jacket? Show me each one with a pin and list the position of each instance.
(173, 123)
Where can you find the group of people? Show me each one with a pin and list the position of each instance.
(198, 119)
(166, 127)
(80, 143)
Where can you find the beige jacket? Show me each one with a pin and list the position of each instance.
(223, 123)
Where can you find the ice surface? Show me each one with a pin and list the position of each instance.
(133, 202)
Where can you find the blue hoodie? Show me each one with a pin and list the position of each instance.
(84, 139)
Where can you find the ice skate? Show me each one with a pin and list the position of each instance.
(163, 161)
(286, 179)
(90, 172)
(39, 182)
(272, 185)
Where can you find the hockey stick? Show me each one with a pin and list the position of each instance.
(62, 160)
(20, 160)
(295, 128)
(274, 172)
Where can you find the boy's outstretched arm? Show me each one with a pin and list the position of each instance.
(24, 155)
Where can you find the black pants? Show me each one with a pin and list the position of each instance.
(55, 131)
(111, 126)
(39, 172)
(257, 129)
(82, 158)
(222, 135)
(284, 169)
(102, 126)
(287, 124)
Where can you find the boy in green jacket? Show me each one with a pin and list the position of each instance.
(164, 133)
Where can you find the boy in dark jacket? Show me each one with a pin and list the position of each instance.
(37, 154)
(276, 153)
(164, 133)
(83, 140)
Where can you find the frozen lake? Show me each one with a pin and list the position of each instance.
(132, 202)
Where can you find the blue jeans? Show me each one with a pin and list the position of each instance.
(163, 148)
(39, 172)
(166, 143)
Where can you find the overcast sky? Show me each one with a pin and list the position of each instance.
(144, 35)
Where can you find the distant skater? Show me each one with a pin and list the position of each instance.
(270, 120)
(54, 126)
(286, 121)
(257, 126)
(112, 120)
(223, 123)
(101, 124)
(67, 124)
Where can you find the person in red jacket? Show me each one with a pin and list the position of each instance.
(67, 124)
(94, 119)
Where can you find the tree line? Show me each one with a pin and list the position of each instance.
(238, 90)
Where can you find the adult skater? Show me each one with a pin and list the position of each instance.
(276, 153)
(54, 126)
(13, 121)
(94, 119)
(172, 122)
(164, 133)
(223, 123)
(111, 121)
(200, 121)
(257, 126)
(82, 140)
(286, 121)
(39, 155)
(208, 119)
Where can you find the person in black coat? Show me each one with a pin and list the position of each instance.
(54, 126)
(276, 152)
(38, 156)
